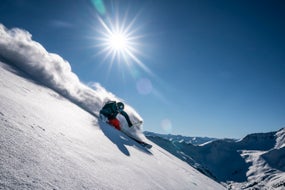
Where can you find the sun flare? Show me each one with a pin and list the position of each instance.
(118, 41)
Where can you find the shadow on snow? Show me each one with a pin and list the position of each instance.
(120, 139)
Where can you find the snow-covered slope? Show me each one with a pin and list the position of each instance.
(254, 162)
(48, 142)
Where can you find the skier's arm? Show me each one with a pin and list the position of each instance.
(127, 118)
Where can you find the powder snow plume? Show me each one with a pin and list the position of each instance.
(18, 48)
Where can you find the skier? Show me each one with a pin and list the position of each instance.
(110, 111)
(109, 114)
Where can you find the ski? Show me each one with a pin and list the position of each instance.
(144, 144)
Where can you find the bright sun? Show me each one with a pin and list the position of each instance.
(118, 42)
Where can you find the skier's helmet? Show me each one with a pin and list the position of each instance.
(120, 106)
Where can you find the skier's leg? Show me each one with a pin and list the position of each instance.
(115, 122)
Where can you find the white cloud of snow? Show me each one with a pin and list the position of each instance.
(18, 48)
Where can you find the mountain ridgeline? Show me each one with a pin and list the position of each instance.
(257, 160)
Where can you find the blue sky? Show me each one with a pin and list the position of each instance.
(206, 68)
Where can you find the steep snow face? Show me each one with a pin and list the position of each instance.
(280, 139)
(47, 142)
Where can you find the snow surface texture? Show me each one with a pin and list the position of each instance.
(48, 142)
(254, 162)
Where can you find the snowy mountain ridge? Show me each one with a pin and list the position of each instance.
(257, 161)
(50, 137)
(180, 138)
